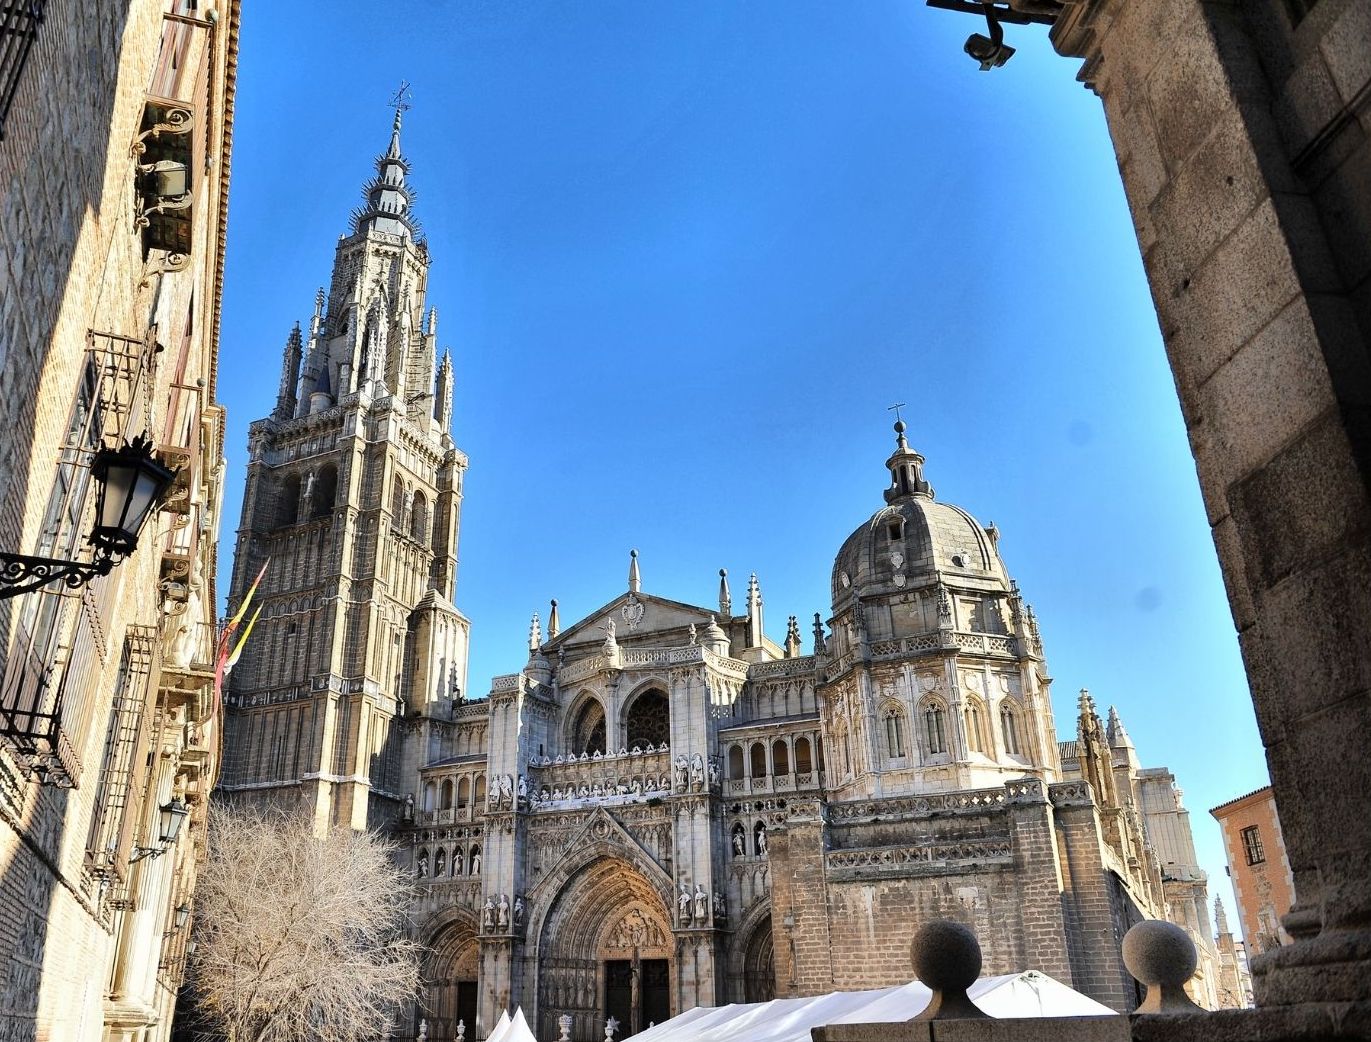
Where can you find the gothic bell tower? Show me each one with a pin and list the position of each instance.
(353, 504)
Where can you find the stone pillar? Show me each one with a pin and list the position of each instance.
(1245, 168)
(802, 953)
(1094, 932)
(1038, 881)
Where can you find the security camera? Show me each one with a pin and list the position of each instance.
(990, 53)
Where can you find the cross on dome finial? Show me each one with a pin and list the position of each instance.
(906, 466)
(400, 104)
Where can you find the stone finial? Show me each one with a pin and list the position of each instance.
(947, 958)
(535, 636)
(461, 1030)
(564, 1025)
(635, 579)
(554, 622)
(1162, 956)
(820, 645)
(792, 637)
(611, 1026)
(423, 1031)
(725, 597)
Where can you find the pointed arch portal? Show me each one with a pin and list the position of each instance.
(605, 949)
(450, 979)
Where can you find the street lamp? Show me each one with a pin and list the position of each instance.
(129, 482)
(170, 817)
(182, 916)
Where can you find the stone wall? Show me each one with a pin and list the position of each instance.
(73, 261)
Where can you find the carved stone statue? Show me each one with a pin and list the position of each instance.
(518, 910)
(701, 904)
(523, 787)
(697, 772)
(720, 907)
(408, 813)
(693, 638)
(713, 773)
(502, 913)
(475, 862)
(761, 839)
(684, 901)
(488, 912)
(681, 770)
(739, 845)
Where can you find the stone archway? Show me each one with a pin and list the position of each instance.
(605, 947)
(759, 964)
(451, 971)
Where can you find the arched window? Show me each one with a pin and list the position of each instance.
(325, 492)
(479, 796)
(421, 864)
(439, 862)
(418, 523)
(446, 801)
(894, 732)
(429, 793)
(463, 791)
(975, 726)
(935, 728)
(780, 757)
(588, 734)
(474, 863)
(819, 752)
(735, 761)
(649, 720)
(804, 762)
(1010, 728)
(288, 501)
(758, 754)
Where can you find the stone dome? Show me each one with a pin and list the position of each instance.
(914, 541)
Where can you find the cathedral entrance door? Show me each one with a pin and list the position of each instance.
(637, 998)
(466, 1004)
(656, 992)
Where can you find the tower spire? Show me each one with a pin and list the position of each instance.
(635, 579)
(290, 375)
(387, 197)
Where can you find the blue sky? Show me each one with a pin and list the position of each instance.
(686, 254)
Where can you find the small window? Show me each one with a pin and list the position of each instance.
(1011, 731)
(895, 530)
(894, 733)
(1252, 845)
(935, 729)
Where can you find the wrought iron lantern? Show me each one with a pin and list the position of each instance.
(181, 916)
(129, 483)
(170, 817)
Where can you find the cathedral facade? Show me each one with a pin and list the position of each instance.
(662, 807)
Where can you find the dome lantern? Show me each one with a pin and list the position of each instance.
(906, 470)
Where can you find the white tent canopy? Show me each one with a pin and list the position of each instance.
(511, 1029)
(501, 1028)
(1027, 994)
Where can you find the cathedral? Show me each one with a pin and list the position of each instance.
(661, 807)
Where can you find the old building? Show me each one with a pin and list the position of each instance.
(1234, 980)
(662, 807)
(1151, 801)
(114, 163)
(1258, 867)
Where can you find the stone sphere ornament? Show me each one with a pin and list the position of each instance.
(1162, 956)
(947, 958)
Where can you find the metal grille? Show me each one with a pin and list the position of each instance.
(51, 677)
(19, 22)
(123, 762)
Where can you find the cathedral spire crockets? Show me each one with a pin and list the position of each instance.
(755, 628)
(906, 470)
(387, 198)
(290, 375)
(442, 393)
(1220, 917)
(792, 638)
(1118, 736)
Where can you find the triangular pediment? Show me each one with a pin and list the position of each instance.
(635, 616)
(601, 836)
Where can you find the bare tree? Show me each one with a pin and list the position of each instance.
(299, 938)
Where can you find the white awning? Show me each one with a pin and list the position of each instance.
(1026, 994)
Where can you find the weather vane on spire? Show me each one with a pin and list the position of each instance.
(896, 410)
(401, 98)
